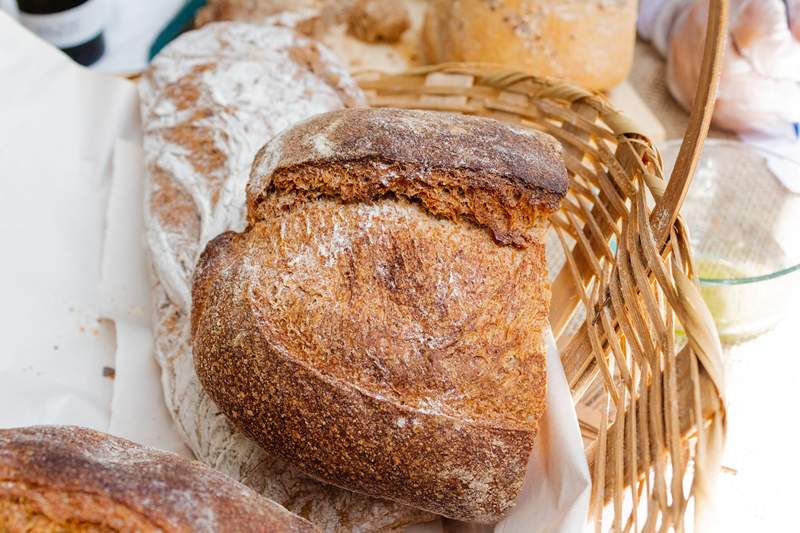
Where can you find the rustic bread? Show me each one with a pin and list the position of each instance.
(209, 101)
(67, 478)
(587, 41)
(379, 323)
(381, 35)
(310, 17)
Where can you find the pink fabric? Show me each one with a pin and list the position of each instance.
(760, 83)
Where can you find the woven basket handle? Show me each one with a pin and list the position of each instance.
(666, 211)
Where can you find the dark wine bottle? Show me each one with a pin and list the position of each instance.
(75, 26)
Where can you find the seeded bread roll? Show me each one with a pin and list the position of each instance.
(379, 323)
(67, 478)
(587, 41)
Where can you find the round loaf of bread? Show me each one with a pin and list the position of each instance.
(587, 41)
(379, 323)
(66, 478)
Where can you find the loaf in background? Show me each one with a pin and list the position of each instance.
(254, 11)
(587, 41)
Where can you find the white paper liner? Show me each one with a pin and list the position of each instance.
(138, 411)
(57, 127)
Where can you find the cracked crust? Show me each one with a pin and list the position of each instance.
(478, 154)
(67, 478)
(366, 327)
(501, 177)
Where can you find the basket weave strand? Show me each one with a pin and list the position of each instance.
(650, 401)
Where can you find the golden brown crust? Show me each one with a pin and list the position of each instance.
(590, 42)
(365, 328)
(348, 354)
(68, 478)
(28, 507)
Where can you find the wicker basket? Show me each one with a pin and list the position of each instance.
(650, 402)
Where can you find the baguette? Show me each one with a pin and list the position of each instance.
(209, 101)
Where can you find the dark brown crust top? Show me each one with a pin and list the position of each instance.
(529, 161)
(78, 471)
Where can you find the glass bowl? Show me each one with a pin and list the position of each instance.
(744, 226)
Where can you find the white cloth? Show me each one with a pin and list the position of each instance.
(57, 130)
(759, 89)
(759, 94)
(656, 19)
(72, 249)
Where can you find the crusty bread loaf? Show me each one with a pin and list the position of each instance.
(379, 323)
(587, 41)
(67, 478)
(381, 35)
(209, 101)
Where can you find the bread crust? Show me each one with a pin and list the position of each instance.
(490, 153)
(504, 178)
(68, 478)
(366, 327)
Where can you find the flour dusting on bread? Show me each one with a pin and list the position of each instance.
(210, 100)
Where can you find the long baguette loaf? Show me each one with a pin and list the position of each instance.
(379, 323)
(72, 479)
(209, 101)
